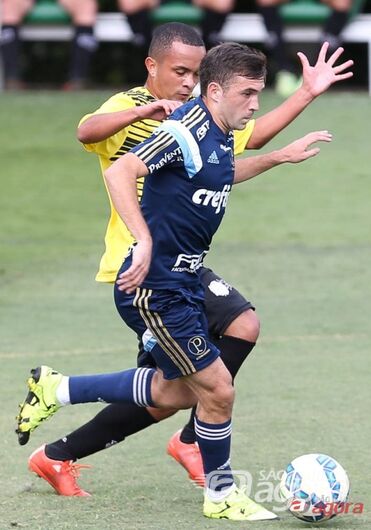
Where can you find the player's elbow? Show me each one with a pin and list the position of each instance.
(259, 137)
(256, 142)
(83, 134)
(116, 171)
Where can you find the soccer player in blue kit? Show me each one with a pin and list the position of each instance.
(189, 169)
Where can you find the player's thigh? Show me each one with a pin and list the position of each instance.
(339, 5)
(14, 11)
(177, 333)
(133, 6)
(222, 6)
(83, 12)
(246, 326)
(270, 3)
(168, 391)
(171, 394)
(223, 303)
(213, 387)
(172, 327)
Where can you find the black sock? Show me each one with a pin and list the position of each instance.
(334, 25)
(10, 47)
(110, 426)
(336, 22)
(233, 352)
(141, 25)
(188, 435)
(275, 44)
(83, 47)
(211, 25)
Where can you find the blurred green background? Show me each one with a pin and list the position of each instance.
(296, 241)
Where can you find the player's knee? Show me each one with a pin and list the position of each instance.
(339, 5)
(221, 6)
(130, 7)
(161, 414)
(225, 395)
(220, 401)
(270, 3)
(82, 13)
(245, 327)
(14, 12)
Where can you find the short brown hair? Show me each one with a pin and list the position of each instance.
(229, 59)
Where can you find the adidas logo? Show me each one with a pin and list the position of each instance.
(213, 158)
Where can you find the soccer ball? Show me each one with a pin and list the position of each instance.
(315, 487)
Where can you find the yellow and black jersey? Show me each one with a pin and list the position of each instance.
(118, 238)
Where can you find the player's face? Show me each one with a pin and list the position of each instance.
(239, 102)
(176, 72)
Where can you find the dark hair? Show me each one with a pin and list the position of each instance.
(229, 59)
(165, 35)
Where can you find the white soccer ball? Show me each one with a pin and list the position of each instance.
(315, 487)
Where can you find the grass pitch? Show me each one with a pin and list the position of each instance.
(296, 241)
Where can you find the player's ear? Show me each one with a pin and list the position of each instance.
(151, 66)
(215, 92)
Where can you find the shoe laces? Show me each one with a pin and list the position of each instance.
(73, 469)
(241, 495)
(246, 500)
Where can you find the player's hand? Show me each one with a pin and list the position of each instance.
(132, 278)
(318, 78)
(301, 149)
(159, 110)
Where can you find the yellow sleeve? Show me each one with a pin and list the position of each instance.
(241, 138)
(116, 103)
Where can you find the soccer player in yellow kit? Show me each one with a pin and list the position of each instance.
(120, 123)
(117, 237)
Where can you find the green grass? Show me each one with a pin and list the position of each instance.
(297, 241)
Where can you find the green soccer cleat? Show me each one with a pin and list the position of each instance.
(237, 506)
(40, 403)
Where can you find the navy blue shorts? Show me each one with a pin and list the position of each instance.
(172, 327)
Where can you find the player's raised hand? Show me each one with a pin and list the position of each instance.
(159, 110)
(301, 149)
(318, 78)
(132, 278)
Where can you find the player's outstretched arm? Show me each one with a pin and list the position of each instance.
(316, 80)
(121, 179)
(99, 127)
(298, 151)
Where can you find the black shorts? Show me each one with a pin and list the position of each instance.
(223, 303)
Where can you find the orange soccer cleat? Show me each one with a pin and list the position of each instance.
(189, 456)
(61, 474)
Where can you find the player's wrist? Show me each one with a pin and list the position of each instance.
(143, 111)
(281, 156)
(305, 94)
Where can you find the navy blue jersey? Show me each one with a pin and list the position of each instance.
(191, 168)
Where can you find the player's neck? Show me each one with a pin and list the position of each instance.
(217, 117)
(152, 89)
